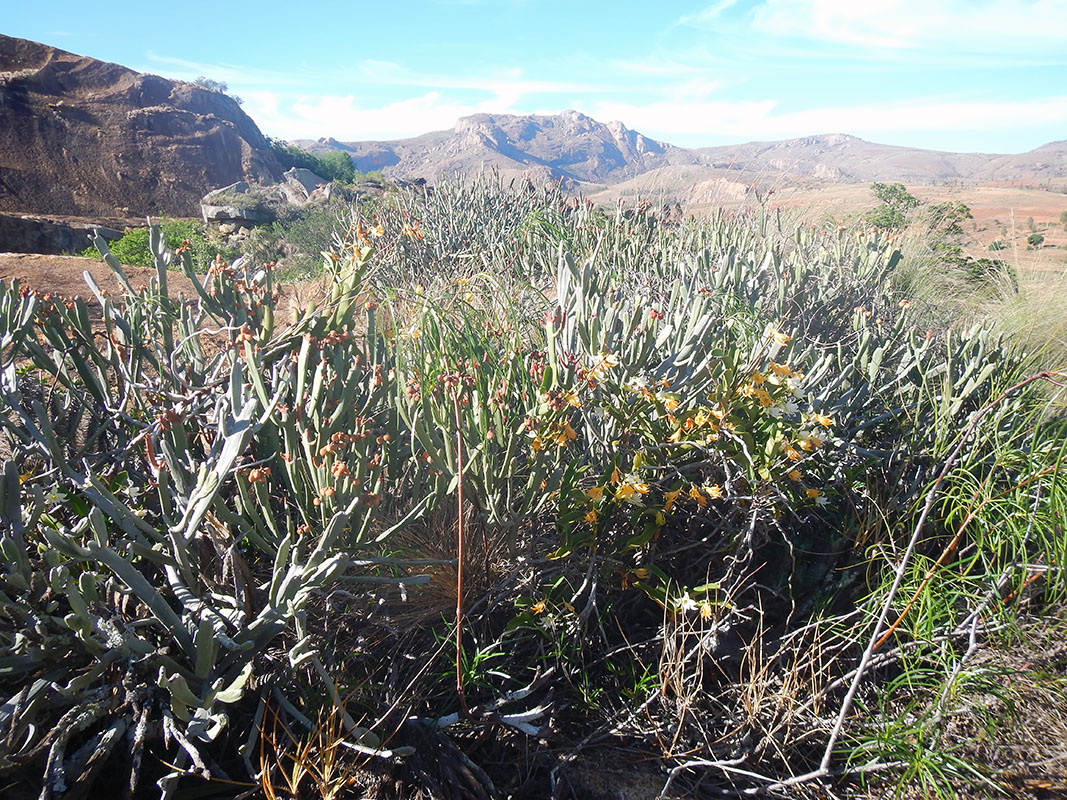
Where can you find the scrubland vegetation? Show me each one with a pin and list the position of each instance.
(732, 503)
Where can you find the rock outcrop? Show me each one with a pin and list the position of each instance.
(26, 234)
(85, 137)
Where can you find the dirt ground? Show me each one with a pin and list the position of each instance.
(64, 275)
(1000, 213)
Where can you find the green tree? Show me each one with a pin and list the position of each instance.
(946, 218)
(1035, 239)
(213, 85)
(336, 166)
(896, 202)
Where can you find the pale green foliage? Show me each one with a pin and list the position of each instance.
(710, 412)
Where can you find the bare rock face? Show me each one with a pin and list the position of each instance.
(577, 151)
(85, 137)
(568, 148)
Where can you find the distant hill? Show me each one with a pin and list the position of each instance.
(569, 146)
(85, 137)
(580, 150)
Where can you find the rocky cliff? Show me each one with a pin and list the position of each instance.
(84, 137)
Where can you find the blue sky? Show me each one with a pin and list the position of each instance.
(966, 75)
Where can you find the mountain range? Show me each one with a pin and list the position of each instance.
(580, 151)
(80, 136)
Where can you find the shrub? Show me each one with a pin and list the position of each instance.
(217, 86)
(335, 165)
(1035, 239)
(297, 240)
(133, 247)
(702, 464)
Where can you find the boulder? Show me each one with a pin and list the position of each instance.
(27, 234)
(304, 180)
(239, 204)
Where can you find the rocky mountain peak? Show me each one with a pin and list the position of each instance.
(569, 146)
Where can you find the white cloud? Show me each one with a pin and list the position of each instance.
(761, 119)
(935, 29)
(342, 117)
(232, 74)
(708, 16)
(688, 114)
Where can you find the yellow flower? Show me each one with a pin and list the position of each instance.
(824, 420)
(701, 418)
(694, 494)
(705, 611)
(616, 476)
(764, 398)
(602, 364)
(536, 444)
(782, 370)
(567, 434)
(538, 607)
(758, 378)
(571, 398)
(781, 338)
(671, 403)
(811, 444)
(595, 493)
(641, 389)
(631, 490)
(713, 491)
(377, 231)
(640, 573)
(793, 453)
(469, 296)
(813, 493)
(795, 474)
(591, 518)
(671, 498)
(676, 436)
